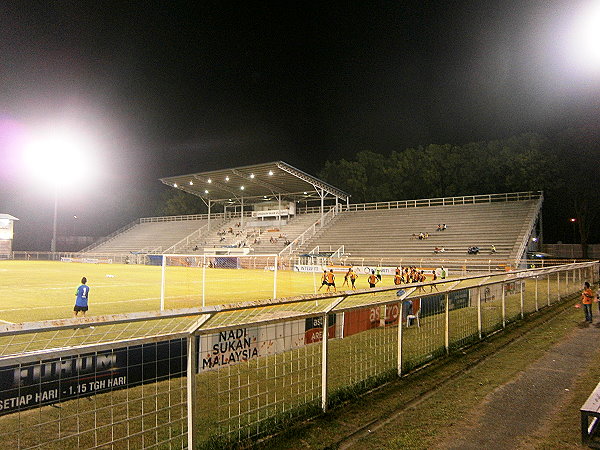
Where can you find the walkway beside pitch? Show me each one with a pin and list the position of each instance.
(521, 407)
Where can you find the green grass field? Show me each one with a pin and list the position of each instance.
(242, 401)
(40, 290)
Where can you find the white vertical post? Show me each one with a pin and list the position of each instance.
(479, 311)
(203, 281)
(558, 285)
(162, 282)
(208, 204)
(503, 306)
(242, 214)
(522, 289)
(324, 393)
(191, 389)
(536, 293)
(279, 211)
(275, 277)
(401, 313)
(447, 325)
(549, 289)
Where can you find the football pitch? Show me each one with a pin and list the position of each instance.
(43, 290)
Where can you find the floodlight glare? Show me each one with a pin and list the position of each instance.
(174, 184)
(242, 188)
(584, 38)
(270, 172)
(191, 183)
(251, 175)
(209, 181)
(226, 178)
(206, 191)
(59, 155)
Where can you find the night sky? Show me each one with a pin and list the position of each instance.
(167, 88)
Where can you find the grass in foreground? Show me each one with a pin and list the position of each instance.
(424, 424)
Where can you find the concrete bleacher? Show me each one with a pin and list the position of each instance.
(258, 239)
(149, 237)
(387, 234)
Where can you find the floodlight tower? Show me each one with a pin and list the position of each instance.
(60, 156)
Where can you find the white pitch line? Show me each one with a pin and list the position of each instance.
(6, 321)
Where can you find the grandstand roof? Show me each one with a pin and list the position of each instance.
(255, 183)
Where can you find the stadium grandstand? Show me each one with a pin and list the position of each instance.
(274, 208)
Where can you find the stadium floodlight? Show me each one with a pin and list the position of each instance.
(584, 37)
(59, 157)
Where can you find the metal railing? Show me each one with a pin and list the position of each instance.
(441, 201)
(110, 236)
(220, 375)
(309, 232)
(529, 227)
(186, 240)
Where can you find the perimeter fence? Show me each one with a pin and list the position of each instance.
(215, 376)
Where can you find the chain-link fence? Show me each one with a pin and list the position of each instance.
(218, 375)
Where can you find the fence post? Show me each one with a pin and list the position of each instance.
(536, 293)
(548, 275)
(479, 311)
(191, 390)
(401, 313)
(324, 393)
(503, 307)
(522, 289)
(162, 283)
(558, 285)
(447, 330)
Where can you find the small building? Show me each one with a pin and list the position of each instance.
(6, 235)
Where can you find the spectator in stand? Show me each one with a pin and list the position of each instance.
(444, 227)
(473, 250)
(493, 249)
(439, 227)
(421, 236)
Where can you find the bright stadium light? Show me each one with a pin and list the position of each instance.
(583, 39)
(59, 157)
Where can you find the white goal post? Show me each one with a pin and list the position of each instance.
(204, 262)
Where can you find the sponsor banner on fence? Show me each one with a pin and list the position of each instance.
(246, 343)
(359, 320)
(49, 381)
(242, 344)
(87, 260)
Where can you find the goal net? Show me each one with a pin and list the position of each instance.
(198, 280)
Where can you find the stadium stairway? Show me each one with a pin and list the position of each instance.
(263, 240)
(149, 237)
(390, 234)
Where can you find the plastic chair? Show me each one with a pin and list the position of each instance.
(414, 317)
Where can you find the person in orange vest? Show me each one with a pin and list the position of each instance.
(353, 277)
(373, 279)
(345, 283)
(397, 278)
(323, 279)
(587, 298)
(330, 281)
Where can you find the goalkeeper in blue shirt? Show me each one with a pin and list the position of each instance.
(81, 302)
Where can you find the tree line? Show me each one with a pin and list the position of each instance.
(563, 165)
